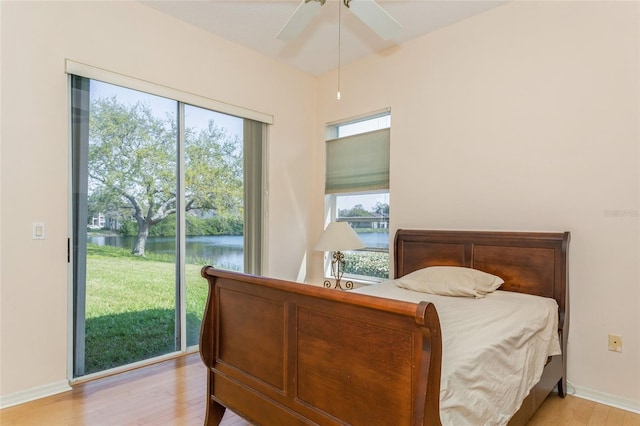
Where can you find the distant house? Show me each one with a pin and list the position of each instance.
(374, 221)
(102, 221)
(97, 221)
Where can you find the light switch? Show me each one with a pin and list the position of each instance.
(38, 231)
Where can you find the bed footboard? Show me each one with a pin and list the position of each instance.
(279, 352)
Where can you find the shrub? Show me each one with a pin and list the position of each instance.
(370, 264)
(196, 226)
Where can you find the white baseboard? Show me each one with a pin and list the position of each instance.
(34, 393)
(63, 386)
(605, 398)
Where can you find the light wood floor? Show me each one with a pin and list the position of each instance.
(173, 393)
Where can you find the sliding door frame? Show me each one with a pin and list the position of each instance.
(255, 166)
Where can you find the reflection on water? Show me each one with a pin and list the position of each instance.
(375, 239)
(223, 251)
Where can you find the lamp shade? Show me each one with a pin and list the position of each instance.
(339, 236)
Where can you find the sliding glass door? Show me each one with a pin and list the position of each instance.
(214, 203)
(158, 192)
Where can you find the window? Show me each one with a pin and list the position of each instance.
(161, 187)
(357, 191)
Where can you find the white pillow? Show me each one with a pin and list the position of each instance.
(450, 281)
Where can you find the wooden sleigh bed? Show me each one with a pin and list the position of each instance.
(284, 353)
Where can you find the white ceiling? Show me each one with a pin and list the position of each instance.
(255, 24)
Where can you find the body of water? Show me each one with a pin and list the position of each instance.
(223, 251)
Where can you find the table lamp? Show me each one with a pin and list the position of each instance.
(338, 237)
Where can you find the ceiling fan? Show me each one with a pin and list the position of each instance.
(368, 11)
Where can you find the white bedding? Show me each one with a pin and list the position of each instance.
(494, 350)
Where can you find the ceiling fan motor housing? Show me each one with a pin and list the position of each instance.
(368, 11)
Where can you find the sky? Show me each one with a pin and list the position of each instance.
(195, 117)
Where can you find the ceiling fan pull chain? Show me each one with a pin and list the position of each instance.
(339, 45)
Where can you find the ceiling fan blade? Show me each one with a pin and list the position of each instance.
(375, 17)
(299, 20)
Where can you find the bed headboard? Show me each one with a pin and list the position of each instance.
(529, 262)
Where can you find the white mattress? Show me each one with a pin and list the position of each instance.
(494, 350)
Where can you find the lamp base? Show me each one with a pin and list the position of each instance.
(337, 269)
(348, 285)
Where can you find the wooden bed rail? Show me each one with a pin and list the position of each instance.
(285, 353)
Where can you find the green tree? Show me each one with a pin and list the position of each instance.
(133, 163)
(356, 211)
(381, 209)
(213, 176)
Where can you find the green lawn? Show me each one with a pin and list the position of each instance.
(130, 312)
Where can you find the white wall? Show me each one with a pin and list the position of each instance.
(132, 39)
(523, 118)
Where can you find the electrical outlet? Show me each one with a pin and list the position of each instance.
(615, 343)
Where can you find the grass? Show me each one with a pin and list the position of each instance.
(130, 303)
(130, 306)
